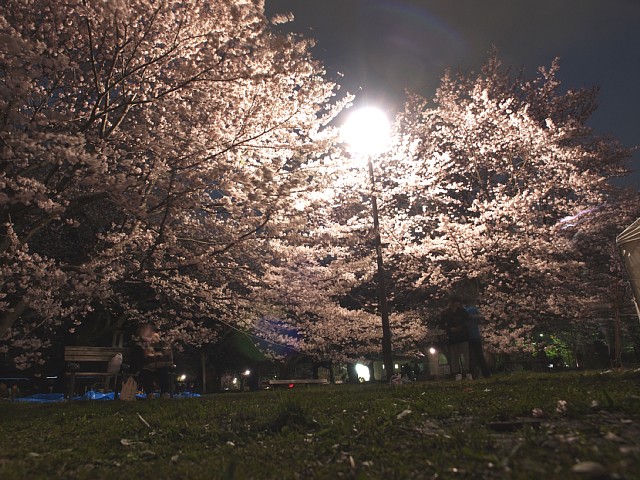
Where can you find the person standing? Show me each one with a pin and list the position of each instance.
(157, 362)
(455, 321)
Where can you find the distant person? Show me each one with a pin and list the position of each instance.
(416, 372)
(406, 371)
(15, 392)
(477, 362)
(156, 361)
(602, 352)
(455, 321)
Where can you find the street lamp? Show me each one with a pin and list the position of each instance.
(367, 131)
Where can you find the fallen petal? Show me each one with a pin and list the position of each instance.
(402, 414)
(612, 437)
(144, 421)
(589, 468)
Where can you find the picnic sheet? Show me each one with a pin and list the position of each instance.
(90, 395)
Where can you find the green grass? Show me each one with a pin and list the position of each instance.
(440, 429)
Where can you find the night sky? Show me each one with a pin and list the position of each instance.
(377, 49)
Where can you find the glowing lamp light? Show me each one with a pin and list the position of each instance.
(367, 131)
(182, 378)
(432, 351)
(363, 372)
(247, 373)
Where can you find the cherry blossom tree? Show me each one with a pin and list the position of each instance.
(322, 287)
(151, 150)
(476, 190)
(479, 193)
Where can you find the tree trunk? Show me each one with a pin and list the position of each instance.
(351, 371)
(203, 370)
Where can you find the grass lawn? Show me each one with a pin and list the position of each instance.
(444, 429)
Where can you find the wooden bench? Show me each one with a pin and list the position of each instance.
(98, 357)
(297, 381)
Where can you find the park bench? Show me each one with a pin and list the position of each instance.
(290, 383)
(97, 357)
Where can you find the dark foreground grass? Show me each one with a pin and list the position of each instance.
(478, 429)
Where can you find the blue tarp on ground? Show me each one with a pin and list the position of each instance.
(59, 397)
(90, 395)
(42, 398)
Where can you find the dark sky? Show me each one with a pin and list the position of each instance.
(382, 47)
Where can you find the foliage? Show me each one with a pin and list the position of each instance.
(150, 152)
(480, 190)
(173, 163)
(497, 190)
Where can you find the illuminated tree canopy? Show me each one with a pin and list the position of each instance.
(175, 163)
(150, 151)
(480, 190)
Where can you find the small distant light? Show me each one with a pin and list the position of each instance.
(182, 378)
(396, 365)
(291, 385)
(551, 365)
(50, 378)
(247, 373)
(542, 334)
(432, 351)
(235, 381)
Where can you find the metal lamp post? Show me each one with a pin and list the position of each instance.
(367, 132)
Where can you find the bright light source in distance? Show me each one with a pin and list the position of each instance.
(182, 378)
(247, 373)
(432, 351)
(367, 131)
(363, 372)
